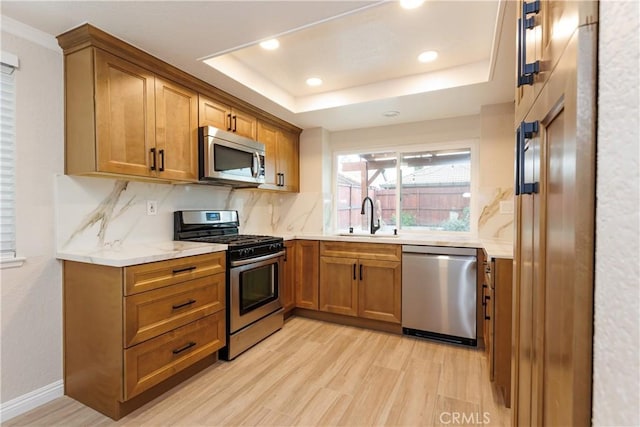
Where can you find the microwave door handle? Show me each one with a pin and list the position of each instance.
(255, 165)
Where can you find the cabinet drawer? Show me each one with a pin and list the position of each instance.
(145, 277)
(152, 313)
(377, 251)
(153, 361)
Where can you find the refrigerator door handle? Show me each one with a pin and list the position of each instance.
(526, 130)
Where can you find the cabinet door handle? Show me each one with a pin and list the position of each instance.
(183, 348)
(235, 123)
(182, 270)
(360, 271)
(184, 304)
(525, 130)
(354, 272)
(485, 307)
(153, 158)
(526, 70)
(161, 152)
(282, 181)
(229, 121)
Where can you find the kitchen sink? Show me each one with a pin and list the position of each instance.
(369, 235)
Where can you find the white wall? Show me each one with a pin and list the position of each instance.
(433, 131)
(31, 295)
(315, 172)
(616, 382)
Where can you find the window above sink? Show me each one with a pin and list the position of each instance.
(430, 188)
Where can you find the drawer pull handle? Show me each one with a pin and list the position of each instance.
(182, 270)
(184, 304)
(183, 348)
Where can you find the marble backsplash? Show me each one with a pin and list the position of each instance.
(494, 222)
(102, 213)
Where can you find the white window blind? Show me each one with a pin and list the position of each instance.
(7, 160)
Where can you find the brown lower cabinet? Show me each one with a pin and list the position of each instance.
(132, 332)
(497, 293)
(288, 278)
(361, 280)
(306, 277)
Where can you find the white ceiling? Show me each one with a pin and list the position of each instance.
(365, 52)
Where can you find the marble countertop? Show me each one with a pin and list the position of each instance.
(498, 249)
(494, 248)
(125, 255)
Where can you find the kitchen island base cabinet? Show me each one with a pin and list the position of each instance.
(111, 363)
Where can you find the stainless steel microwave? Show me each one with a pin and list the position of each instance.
(229, 159)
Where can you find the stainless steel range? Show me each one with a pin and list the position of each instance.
(254, 266)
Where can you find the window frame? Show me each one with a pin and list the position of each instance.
(471, 143)
(10, 65)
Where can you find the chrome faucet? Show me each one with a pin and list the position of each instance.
(374, 228)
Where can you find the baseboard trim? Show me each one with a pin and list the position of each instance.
(31, 400)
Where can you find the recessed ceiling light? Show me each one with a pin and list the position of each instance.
(410, 4)
(428, 56)
(391, 113)
(270, 44)
(314, 81)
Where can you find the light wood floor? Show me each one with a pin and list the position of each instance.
(313, 373)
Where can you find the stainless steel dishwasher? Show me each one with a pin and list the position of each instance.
(439, 293)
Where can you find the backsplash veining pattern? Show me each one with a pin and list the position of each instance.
(94, 213)
(103, 213)
(491, 223)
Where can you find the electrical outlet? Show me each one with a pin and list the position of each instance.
(152, 207)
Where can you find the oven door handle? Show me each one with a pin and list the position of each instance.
(258, 259)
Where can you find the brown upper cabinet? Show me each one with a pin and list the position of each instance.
(544, 28)
(282, 157)
(124, 120)
(141, 125)
(227, 118)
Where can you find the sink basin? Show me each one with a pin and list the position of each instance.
(368, 235)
